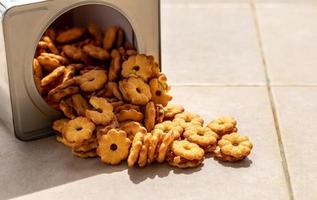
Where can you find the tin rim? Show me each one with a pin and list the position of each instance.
(32, 91)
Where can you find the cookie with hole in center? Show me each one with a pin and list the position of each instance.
(203, 136)
(233, 147)
(185, 154)
(102, 112)
(92, 80)
(171, 110)
(139, 66)
(223, 125)
(135, 90)
(187, 119)
(159, 90)
(78, 130)
(113, 147)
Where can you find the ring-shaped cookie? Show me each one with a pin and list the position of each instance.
(113, 147)
(135, 90)
(103, 111)
(78, 130)
(223, 125)
(235, 145)
(92, 80)
(187, 119)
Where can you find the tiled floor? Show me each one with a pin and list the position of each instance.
(253, 59)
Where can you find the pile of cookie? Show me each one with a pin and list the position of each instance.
(115, 103)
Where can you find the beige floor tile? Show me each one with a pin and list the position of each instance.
(288, 31)
(212, 43)
(193, 2)
(44, 164)
(285, 1)
(297, 111)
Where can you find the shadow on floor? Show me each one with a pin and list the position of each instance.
(240, 164)
(157, 170)
(28, 167)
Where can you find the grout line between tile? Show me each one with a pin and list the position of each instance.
(292, 85)
(240, 85)
(215, 85)
(272, 102)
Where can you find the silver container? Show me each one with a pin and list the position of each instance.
(22, 109)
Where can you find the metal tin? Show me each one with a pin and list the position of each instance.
(22, 108)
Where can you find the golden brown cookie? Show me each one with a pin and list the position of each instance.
(80, 104)
(70, 35)
(171, 110)
(132, 128)
(233, 147)
(47, 43)
(115, 102)
(164, 147)
(185, 154)
(78, 130)
(127, 107)
(102, 113)
(169, 126)
(138, 66)
(37, 68)
(153, 142)
(223, 125)
(86, 150)
(51, 77)
(144, 151)
(187, 119)
(110, 37)
(179, 162)
(90, 145)
(203, 136)
(67, 108)
(65, 89)
(187, 150)
(115, 68)
(159, 89)
(159, 117)
(96, 52)
(92, 80)
(129, 115)
(50, 61)
(59, 125)
(73, 52)
(113, 147)
(135, 90)
(103, 130)
(112, 90)
(150, 116)
(69, 73)
(135, 148)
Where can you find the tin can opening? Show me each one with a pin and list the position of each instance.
(80, 17)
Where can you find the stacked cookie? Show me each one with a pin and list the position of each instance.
(115, 104)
